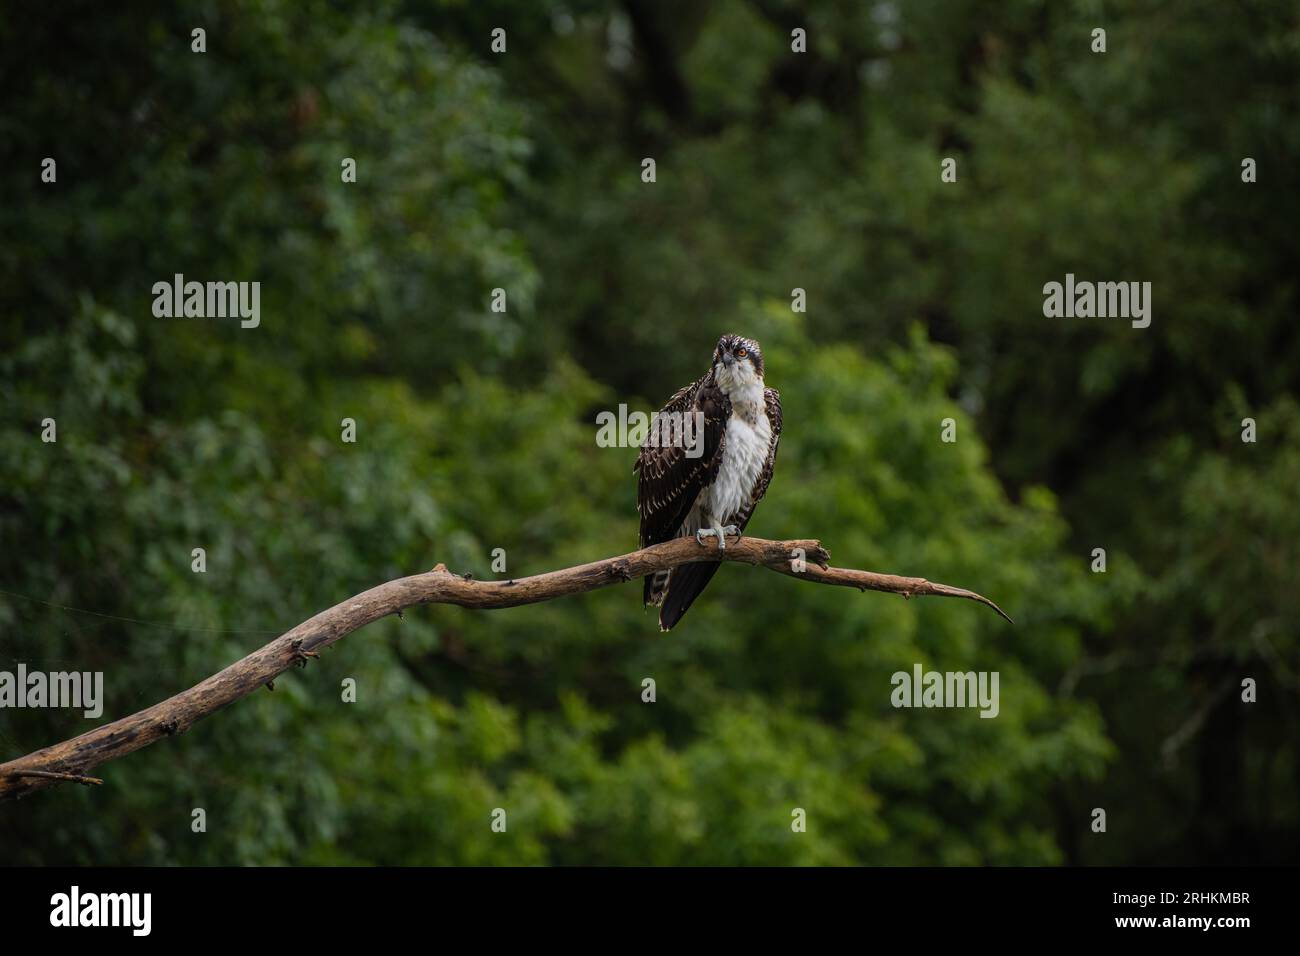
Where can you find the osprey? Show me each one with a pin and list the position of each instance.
(709, 483)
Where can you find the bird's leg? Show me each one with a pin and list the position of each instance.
(732, 529)
(715, 530)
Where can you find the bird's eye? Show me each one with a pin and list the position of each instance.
(742, 352)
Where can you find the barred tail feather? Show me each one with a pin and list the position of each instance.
(656, 586)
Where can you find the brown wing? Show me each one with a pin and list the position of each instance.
(686, 583)
(669, 480)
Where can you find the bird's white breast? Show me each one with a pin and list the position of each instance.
(743, 456)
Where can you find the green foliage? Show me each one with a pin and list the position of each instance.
(475, 429)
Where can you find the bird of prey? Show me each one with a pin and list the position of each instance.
(706, 484)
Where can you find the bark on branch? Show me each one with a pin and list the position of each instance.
(69, 760)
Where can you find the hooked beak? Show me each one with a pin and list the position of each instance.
(728, 359)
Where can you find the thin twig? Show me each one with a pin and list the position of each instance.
(51, 775)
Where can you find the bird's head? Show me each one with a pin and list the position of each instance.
(737, 362)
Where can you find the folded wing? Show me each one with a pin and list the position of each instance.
(673, 468)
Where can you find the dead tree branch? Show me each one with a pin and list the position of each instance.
(70, 759)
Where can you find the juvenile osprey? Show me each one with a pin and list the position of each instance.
(706, 484)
